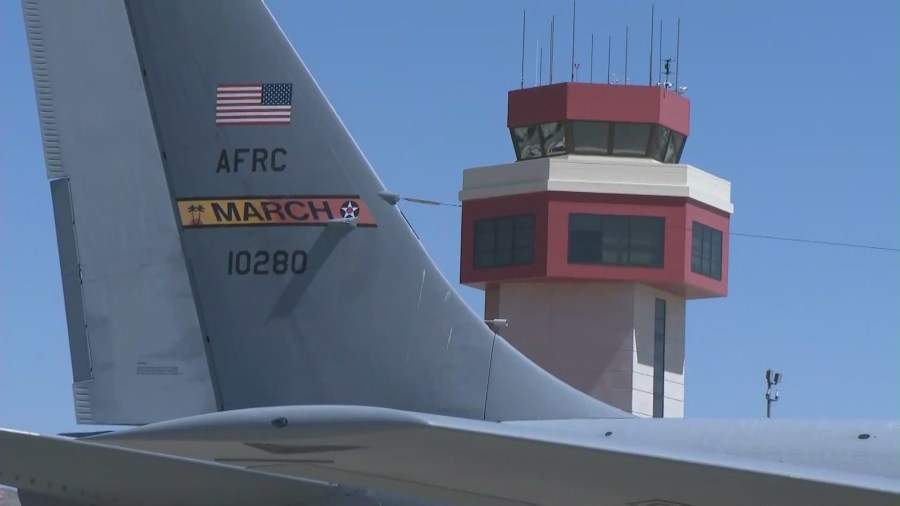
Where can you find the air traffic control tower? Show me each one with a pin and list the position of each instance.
(590, 244)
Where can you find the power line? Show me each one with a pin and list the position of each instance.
(814, 241)
(739, 234)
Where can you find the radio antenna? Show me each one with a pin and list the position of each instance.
(659, 70)
(537, 50)
(592, 57)
(626, 55)
(522, 72)
(572, 77)
(677, 52)
(608, 57)
(552, 26)
(540, 66)
(652, 27)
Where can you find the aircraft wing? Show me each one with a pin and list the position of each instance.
(60, 470)
(450, 459)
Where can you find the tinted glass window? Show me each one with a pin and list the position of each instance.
(659, 358)
(504, 241)
(585, 238)
(590, 137)
(706, 250)
(616, 240)
(528, 142)
(646, 241)
(630, 139)
(523, 240)
(673, 150)
(554, 138)
(696, 247)
(485, 231)
(660, 142)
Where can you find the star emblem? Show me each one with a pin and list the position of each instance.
(349, 210)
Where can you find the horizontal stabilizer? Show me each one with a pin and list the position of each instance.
(609, 462)
(74, 472)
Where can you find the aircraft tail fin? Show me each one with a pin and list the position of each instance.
(307, 285)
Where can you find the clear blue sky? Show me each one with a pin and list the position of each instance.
(795, 102)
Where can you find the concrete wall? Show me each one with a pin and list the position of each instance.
(598, 337)
(644, 312)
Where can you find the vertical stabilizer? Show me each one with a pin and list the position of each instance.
(276, 244)
(312, 287)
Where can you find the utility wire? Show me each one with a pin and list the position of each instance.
(739, 234)
(806, 241)
(813, 241)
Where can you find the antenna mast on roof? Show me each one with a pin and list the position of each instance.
(540, 66)
(652, 23)
(572, 77)
(659, 70)
(608, 57)
(592, 57)
(537, 51)
(522, 72)
(626, 55)
(552, 25)
(677, 52)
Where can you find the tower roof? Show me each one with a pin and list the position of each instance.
(600, 120)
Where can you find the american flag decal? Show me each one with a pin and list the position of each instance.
(253, 104)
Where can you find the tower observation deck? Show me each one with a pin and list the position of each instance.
(592, 241)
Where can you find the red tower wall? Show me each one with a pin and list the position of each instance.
(600, 102)
(551, 211)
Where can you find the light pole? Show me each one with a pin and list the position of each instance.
(771, 381)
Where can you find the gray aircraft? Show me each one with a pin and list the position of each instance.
(242, 288)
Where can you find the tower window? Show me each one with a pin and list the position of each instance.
(554, 138)
(659, 358)
(528, 142)
(630, 139)
(504, 241)
(616, 239)
(706, 250)
(659, 142)
(674, 148)
(590, 137)
(537, 141)
(598, 138)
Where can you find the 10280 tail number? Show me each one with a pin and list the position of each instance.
(263, 262)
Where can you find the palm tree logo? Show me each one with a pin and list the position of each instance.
(196, 213)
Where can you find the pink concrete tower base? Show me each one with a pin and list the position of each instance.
(597, 337)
